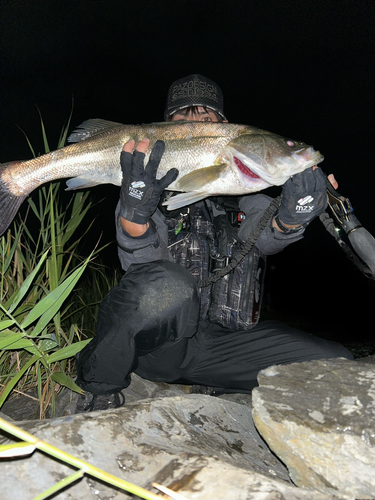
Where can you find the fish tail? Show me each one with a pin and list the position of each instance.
(9, 202)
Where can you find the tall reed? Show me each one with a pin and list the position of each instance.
(42, 312)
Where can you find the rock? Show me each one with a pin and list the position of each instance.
(6, 417)
(26, 406)
(141, 388)
(203, 447)
(319, 418)
(21, 407)
(367, 359)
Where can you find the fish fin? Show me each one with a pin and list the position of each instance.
(198, 178)
(183, 199)
(9, 202)
(91, 128)
(81, 183)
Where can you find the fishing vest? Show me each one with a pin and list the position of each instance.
(204, 244)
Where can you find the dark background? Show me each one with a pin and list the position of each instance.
(303, 69)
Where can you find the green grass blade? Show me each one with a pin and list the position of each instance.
(79, 210)
(44, 135)
(64, 132)
(6, 324)
(28, 142)
(66, 381)
(50, 305)
(34, 208)
(38, 370)
(11, 253)
(53, 269)
(47, 345)
(12, 341)
(16, 299)
(60, 485)
(10, 385)
(67, 352)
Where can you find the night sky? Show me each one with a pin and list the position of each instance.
(303, 69)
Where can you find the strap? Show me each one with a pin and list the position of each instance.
(287, 230)
(245, 247)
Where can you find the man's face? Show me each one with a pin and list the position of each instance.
(201, 115)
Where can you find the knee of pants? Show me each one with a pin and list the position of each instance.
(166, 302)
(161, 286)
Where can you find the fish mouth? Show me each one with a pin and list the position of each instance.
(244, 169)
(283, 168)
(248, 176)
(309, 155)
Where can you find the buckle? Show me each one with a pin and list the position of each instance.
(218, 262)
(342, 210)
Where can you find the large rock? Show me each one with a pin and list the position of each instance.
(203, 447)
(26, 406)
(319, 419)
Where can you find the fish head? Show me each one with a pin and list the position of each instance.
(269, 159)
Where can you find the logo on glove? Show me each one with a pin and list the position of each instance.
(138, 184)
(134, 192)
(303, 205)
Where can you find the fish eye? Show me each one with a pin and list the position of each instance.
(290, 142)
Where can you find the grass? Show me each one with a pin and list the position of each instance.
(45, 316)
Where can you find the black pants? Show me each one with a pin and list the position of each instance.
(149, 324)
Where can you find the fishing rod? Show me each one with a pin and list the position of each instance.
(362, 249)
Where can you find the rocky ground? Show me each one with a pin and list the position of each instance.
(307, 424)
(26, 406)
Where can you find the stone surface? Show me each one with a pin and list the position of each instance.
(26, 406)
(367, 359)
(21, 407)
(319, 418)
(203, 447)
(6, 417)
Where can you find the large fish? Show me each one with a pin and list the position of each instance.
(212, 159)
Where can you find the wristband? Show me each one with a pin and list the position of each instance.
(287, 230)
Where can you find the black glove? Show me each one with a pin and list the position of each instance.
(140, 190)
(304, 196)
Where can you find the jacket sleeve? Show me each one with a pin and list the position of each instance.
(270, 240)
(149, 247)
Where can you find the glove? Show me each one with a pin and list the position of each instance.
(304, 197)
(140, 190)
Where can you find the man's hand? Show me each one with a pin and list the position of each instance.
(140, 190)
(304, 197)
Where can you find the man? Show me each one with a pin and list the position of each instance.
(156, 322)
